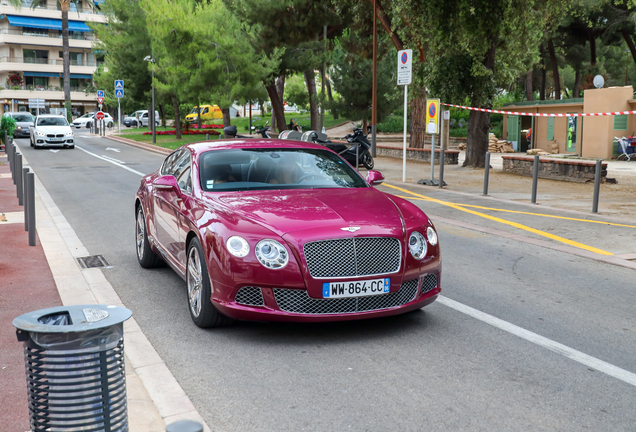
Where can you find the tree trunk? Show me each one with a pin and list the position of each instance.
(543, 74)
(226, 117)
(577, 83)
(280, 89)
(555, 71)
(479, 125)
(418, 119)
(365, 125)
(198, 114)
(66, 66)
(177, 117)
(630, 43)
(277, 105)
(529, 89)
(334, 112)
(313, 98)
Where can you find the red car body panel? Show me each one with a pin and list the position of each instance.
(293, 217)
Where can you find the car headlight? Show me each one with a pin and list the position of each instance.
(69, 133)
(417, 245)
(431, 235)
(237, 246)
(19, 127)
(271, 254)
(40, 133)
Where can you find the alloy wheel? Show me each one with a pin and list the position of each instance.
(141, 232)
(194, 281)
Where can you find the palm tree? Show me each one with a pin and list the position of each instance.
(65, 6)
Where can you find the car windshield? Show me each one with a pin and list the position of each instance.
(195, 110)
(52, 121)
(23, 117)
(275, 168)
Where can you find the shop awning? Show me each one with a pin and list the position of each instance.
(56, 75)
(46, 23)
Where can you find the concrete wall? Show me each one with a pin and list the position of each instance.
(598, 132)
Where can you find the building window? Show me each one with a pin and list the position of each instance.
(76, 7)
(35, 56)
(27, 31)
(550, 129)
(620, 122)
(36, 83)
(76, 58)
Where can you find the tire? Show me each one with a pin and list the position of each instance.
(31, 141)
(145, 255)
(72, 146)
(202, 311)
(621, 157)
(368, 162)
(110, 125)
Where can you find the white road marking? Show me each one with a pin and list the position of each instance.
(113, 149)
(111, 161)
(53, 151)
(571, 353)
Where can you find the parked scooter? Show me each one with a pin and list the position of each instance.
(361, 146)
(232, 132)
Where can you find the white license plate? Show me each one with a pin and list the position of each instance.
(56, 139)
(356, 289)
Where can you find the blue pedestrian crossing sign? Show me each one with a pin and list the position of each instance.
(100, 93)
(119, 93)
(119, 84)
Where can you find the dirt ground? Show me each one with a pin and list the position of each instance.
(617, 200)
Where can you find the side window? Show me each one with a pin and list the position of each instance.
(168, 166)
(205, 111)
(182, 168)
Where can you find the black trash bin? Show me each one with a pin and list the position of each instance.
(74, 358)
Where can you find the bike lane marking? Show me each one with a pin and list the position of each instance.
(503, 221)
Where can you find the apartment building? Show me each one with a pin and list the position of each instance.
(31, 63)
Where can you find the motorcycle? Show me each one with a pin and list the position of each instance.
(232, 131)
(361, 147)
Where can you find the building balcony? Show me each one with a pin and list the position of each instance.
(50, 11)
(48, 93)
(46, 65)
(19, 37)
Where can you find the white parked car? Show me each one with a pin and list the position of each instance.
(51, 130)
(87, 120)
(131, 120)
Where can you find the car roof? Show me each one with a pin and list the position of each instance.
(16, 112)
(250, 143)
(51, 115)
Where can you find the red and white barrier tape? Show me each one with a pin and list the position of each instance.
(542, 114)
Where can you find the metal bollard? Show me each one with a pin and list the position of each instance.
(8, 149)
(597, 186)
(487, 173)
(25, 171)
(441, 168)
(14, 152)
(31, 207)
(185, 426)
(6, 135)
(535, 179)
(207, 137)
(18, 177)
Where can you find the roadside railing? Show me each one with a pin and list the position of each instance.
(46, 61)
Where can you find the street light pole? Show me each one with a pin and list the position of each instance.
(151, 116)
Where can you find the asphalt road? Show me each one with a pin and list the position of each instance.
(435, 369)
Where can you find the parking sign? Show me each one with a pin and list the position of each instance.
(100, 93)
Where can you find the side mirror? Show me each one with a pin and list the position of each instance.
(374, 178)
(166, 183)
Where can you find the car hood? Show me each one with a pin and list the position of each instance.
(54, 129)
(84, 120)
(286, 211)
(24, 124)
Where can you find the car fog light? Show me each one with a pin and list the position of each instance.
(271, 254)
(237, 246)
(432, 236)
(417, 245)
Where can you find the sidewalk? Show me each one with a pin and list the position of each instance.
(48, 275)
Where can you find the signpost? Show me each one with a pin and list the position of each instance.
(37, 104)
(119, 93)
(100, 101)
(432, 127)
(405, 61)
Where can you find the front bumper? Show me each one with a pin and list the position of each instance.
(45, 141)
(294, 305)
(21, 133)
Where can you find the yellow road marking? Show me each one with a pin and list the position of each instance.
(503, 221)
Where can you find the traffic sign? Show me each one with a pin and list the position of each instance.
(119, 93)
(119, 84)
(100, 100)
(99, 115)
(100, 94)
(432, 116)
(36, 103)
(405, 61)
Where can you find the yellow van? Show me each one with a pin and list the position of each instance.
(208, 112)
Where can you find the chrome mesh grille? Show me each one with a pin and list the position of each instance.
(352, 257)
(298, 301)
(249, 296)
(429, 283)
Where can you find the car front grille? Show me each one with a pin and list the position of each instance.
(249, 296)
(298, 301)
(429, 283)
(55, 136)
(352, 257)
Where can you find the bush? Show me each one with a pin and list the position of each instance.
(458, 132)
(7, 124)
(392, 124)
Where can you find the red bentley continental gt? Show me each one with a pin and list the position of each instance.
(277, 230)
